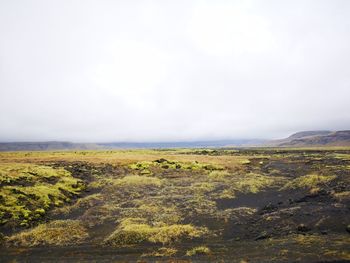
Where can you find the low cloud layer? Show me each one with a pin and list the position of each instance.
(172, 70)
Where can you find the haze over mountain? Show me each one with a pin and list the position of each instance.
(299, 139)
(46, 146)
(57, 145)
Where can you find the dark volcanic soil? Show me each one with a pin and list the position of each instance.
(284, 221)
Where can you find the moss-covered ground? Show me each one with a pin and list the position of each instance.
(240, 205)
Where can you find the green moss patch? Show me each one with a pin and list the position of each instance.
(146, 167)
(27, 191)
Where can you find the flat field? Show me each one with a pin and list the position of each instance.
(176, 205)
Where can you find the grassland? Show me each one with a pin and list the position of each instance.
(207, 204)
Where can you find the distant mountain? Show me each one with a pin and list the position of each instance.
(45, 146)
(190, 144)
(57, 145)
(314, 138)
(299, 139)
(304, 134)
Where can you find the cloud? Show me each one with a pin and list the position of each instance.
(160, 70)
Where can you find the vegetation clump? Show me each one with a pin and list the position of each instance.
(253, 183)
(247, 183)
(217, 175)
(57, 233)
(85, 202)
(309, 181)
(342, 196)
(138, 180)
(27, 191)
(162, 252)
(201, 250)
(158, 212)
(135, 230)
(144, 167)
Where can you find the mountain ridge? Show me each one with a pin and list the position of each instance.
(313, 139)
(298, 139)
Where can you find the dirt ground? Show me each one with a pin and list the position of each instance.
(222, 205)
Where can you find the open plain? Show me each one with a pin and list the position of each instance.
(186, 205)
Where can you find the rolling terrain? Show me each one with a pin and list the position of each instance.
(188, 205)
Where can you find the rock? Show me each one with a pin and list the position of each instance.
(269, 207)
(161, 160)
(303, 228)
(263, 235)
(324, 232)
(348, 228)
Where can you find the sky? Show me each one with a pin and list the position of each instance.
(103, 71)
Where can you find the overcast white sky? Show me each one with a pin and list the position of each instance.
(172, 70)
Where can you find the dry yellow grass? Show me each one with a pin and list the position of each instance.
(119, 157)
(135, 230)
(58, 233)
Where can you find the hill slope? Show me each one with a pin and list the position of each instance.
(314, 138)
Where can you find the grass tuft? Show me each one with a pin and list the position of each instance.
(309, 181)
(201, 250)
(57, 233)
(134, 230)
